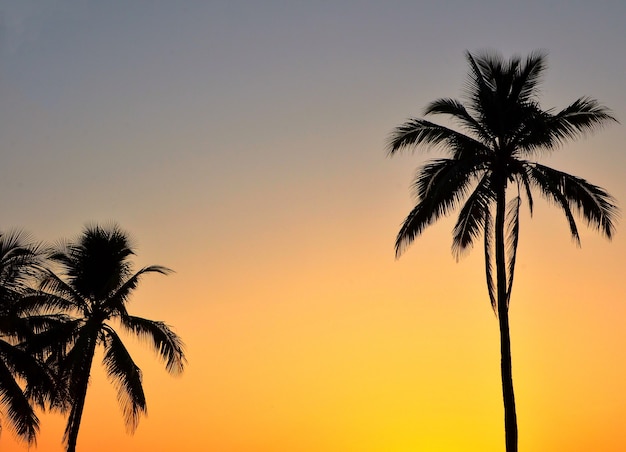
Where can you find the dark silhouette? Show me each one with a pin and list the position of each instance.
(23, 379)
(503, 125)
(94, 287)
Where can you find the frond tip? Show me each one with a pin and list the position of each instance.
(163, 340)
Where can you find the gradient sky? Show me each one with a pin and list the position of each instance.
(241, 143)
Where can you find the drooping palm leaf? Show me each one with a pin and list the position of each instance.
(41, 387)
(512, 237)
(593, 203)
(17, 409)
(471, 221)
(440, 186)
(126, 376)
(163, 340)
(489, 240)
(521, 175)
(549, 188)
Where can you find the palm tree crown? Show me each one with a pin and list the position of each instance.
(94, 288)
(501, 129)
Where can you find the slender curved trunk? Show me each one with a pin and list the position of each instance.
(510, 417)
(78, 404)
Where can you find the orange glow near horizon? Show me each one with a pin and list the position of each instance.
(384, 355)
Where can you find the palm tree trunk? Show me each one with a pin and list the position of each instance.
(78, 403)
(510, 417)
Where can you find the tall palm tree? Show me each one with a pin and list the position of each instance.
(23, 379)
(94, 287)
(489, 168)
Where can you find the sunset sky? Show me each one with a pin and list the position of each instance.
(242, 143)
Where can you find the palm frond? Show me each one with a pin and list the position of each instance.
(41, 385)
(512, 237)
(57, 339)
(481, 87)
(126, 377)
(439, 186)
(116, 301)
(17, 409)
(437, 176)
(14, 328)
(489, 240)
(164, 341)
(549, 189)
(478, 82)
(59, 293)
(44, 303)
(471, 221)
(419, 132)
(21, 261)
(521, 176)
(583, 115)
(525, 86)
(35, 324)
(544, 130)
(593, 203)
(413, 225)
(457, 111)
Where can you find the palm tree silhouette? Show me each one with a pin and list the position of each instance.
(23, 379)
(502, 126)
(94, 288)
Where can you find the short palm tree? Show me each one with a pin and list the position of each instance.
(94, 287)
(23, 379)
(489, 168)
